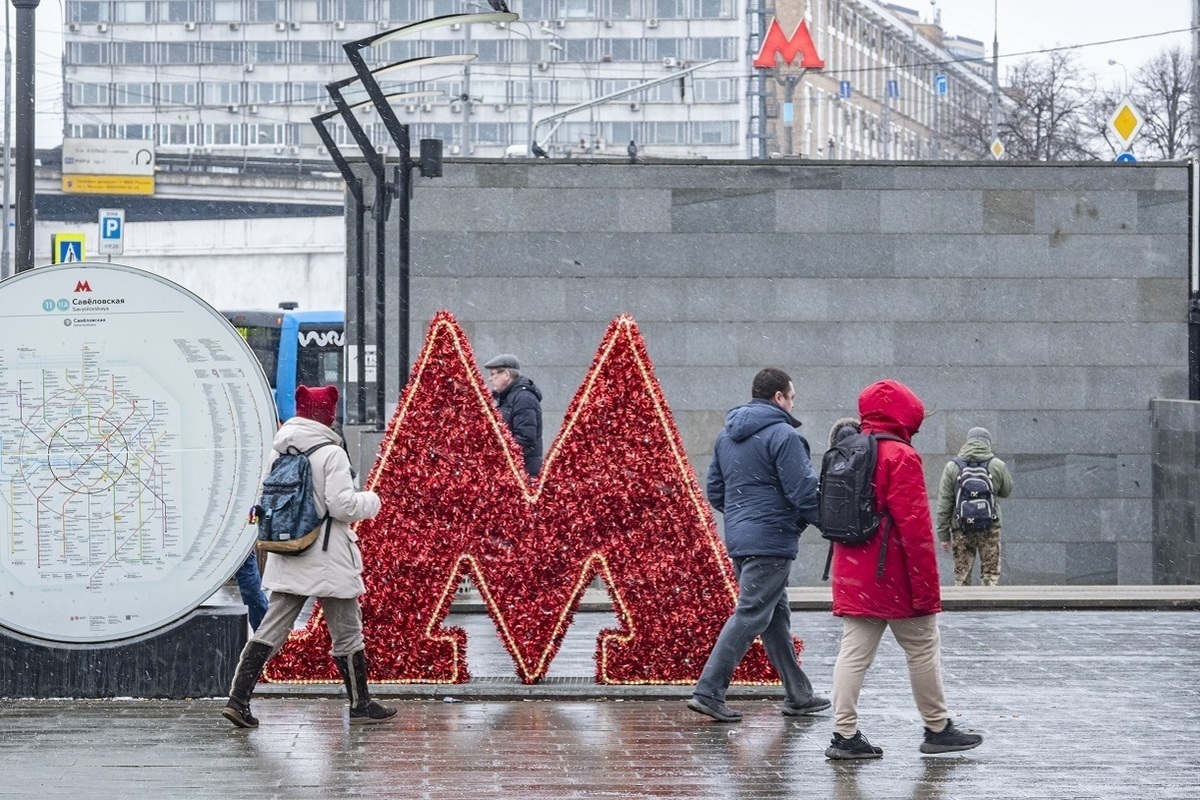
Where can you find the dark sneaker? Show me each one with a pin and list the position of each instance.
(239, 714)
(713, 708)
(856, 746)
(949, 740)
(813, 705)
(370, 713)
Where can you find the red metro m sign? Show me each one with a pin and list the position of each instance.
(800, 43)
(616, 498)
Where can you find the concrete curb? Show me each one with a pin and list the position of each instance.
(960, 598)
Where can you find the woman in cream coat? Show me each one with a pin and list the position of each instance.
(331, 572)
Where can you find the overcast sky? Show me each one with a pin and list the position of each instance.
(1025, 25)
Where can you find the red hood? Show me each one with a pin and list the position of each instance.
(889, 406)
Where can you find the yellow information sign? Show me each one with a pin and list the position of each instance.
(1125, 122)
(108, 184)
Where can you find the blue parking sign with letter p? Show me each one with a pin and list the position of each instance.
(112, 231)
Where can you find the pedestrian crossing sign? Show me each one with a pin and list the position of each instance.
(66, 248)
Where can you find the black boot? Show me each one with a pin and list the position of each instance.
(250, 666)
(363, 710)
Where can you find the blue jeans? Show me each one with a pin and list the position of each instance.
(762, 610)
(250, 585)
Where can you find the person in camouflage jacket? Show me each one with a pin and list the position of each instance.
(978, 447)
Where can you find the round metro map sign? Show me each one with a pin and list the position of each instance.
(134, 432)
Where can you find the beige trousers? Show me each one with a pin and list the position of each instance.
(921, 641)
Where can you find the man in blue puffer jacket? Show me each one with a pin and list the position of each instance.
(762, 480)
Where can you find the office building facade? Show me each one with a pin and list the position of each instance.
(245, 77)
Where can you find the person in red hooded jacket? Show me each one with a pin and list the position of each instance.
(905, 596)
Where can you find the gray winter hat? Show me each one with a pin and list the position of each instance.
(979, 433)
(503, 361)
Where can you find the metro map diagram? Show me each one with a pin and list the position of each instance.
(86, 474)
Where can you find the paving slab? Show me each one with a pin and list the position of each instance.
(1074, 704)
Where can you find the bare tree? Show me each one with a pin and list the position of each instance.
(1162, 91)
(1050, 121)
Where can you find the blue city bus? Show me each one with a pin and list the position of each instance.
(295, 348)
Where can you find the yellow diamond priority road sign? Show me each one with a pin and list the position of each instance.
(1125, 122)
(997, 148)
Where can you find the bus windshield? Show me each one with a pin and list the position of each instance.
(265, 344)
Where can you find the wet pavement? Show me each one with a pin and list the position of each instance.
(1074, 704)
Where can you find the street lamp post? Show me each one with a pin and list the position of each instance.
(528, 37)
(1112, 62)
(26, 130)
(429, 164)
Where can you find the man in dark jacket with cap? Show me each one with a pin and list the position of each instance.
(520, 403)
(762, 479)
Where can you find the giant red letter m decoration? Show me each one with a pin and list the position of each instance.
(799, 43)
(616, 498)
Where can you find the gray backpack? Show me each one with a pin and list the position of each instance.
(974, 496)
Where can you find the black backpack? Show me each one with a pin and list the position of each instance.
(287, 518)
(848, 494)
(974, 496)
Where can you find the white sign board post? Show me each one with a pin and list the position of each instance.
(136, 425)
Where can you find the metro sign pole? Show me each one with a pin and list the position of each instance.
(26, 128)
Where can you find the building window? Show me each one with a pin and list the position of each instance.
(222, 94)
(265, 10)
(308, 93)
(623, 49)
(713, 90)
(90, 94)
(223, 135)
(170, 52)
(311, 52)
(670, 9)
(259, 134)
(403, 10)
(576, 9)
(266, 53)
(176, 134)
(711, 9)
(705, 49)
(266, 93)
(620, 9)
(713, 132)
(224, 52)
(132, 11)
(87, 53)
(134, 52)
(221, 10)
(347, 9)
(87, 11)
(177, 11)
(178, 94)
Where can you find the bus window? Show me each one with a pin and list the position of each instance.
(319, 358)
(265, 344)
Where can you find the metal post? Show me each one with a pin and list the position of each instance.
(1196, 80)
(996, 74)
(375, 161)
(403, 185)
(26, 130)
(5, 237)
(529, 99)
(1194, 284)
(465, 97)
(355, 185)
